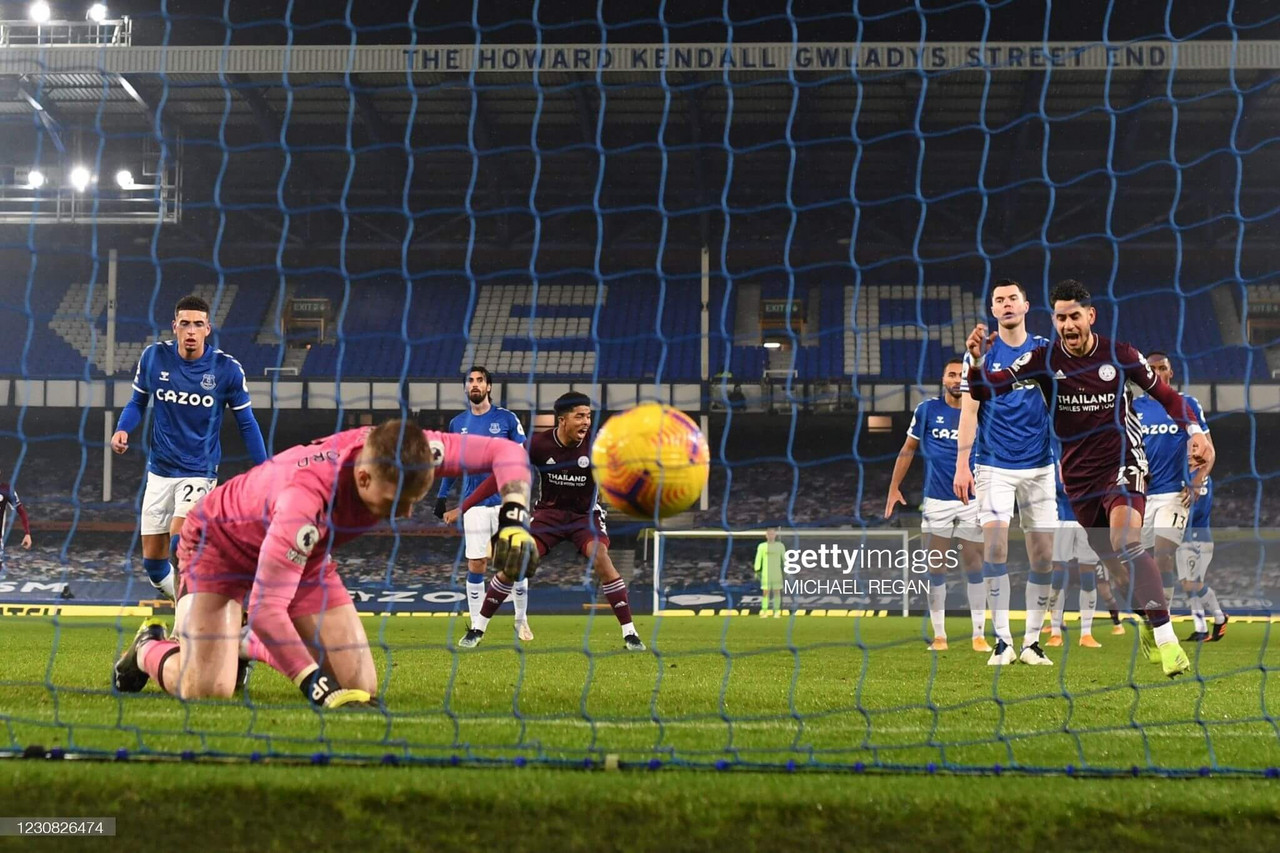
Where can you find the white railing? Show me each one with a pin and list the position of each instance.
(117, 32)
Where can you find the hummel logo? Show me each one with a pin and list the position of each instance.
(164, 376)
(941, 419)
(1059, 375)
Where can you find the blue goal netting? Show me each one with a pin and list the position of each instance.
(783, 224)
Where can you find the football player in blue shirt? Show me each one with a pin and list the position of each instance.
(934, 428)
(191, 383)
(480, 523)
(1073, 555)
(1014, 464)
(1173, 494)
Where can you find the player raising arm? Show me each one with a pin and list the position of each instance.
(1104, 467)
(191, 383)
(933, 428)
(268, 534)
(567, 509)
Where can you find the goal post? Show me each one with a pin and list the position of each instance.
(845, 568)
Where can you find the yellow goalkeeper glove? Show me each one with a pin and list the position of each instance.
(323, 692)
(513, 551)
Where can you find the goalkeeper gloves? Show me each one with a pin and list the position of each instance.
(513, 551)
(441, 506)
(323, 692)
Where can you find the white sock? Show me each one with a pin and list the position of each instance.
(1059, 611)
(629, 630)
(938, 605)
(475, 600)
(1165, 635)
(999, 589)
(520, 598)
(478, 622)
(1037, 602)
(1088, 603)
(1211, 605)
(977, 593)
(1168, 596)
(166, 586)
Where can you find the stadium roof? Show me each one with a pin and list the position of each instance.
(398, 135)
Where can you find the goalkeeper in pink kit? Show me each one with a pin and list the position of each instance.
(267, 535)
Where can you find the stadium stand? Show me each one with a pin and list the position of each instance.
(644, 331)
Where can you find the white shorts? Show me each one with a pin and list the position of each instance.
(1193, 560)
(479, 524)
(1032, 489)
(167, 498)
(1166, 516)
(1071, 542)
(951, 518)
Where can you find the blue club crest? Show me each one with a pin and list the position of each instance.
(209, 382)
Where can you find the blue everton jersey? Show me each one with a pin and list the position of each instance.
(1013, 429)
(937, 427)
(495, 423)
(188, 398)
(1198, 527)
(1166, 444)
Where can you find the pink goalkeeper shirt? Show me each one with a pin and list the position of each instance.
(277, 523)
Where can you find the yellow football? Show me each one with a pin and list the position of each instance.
(651, 460)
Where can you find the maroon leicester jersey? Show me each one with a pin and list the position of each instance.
(1092, 409)
(565, 473)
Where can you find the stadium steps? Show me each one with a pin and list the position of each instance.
(77, 325)
(268, 332)
(497, 321)
(1228, 314)
(862, 351)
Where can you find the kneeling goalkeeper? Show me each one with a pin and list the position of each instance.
(268, 533)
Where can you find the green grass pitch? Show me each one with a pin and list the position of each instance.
(814, 691)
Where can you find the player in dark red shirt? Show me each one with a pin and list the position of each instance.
(567, 509)
(1084, 378)
(9, 500)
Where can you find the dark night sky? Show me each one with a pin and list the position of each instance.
(569, 21)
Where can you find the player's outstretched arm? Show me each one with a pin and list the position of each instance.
(1199, 448)
(962, 480)
(291, 536)
(900, 468)
(985, 384)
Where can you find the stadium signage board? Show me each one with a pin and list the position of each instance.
(463, 59)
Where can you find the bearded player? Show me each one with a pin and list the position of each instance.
(567, 509)
(933, 429)
(268, 534)
(481, 522)
(1085, 377)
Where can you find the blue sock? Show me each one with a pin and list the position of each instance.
(158, 568)
(173, 543)
(1088, 581)
(475, 577)
(1058, 579)
(994, 570)
(974, 577)
(1167, 579)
